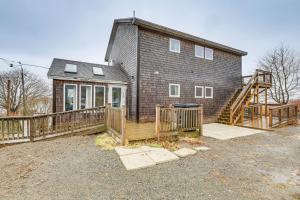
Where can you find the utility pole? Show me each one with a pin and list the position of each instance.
(8, 97)
(23, 87)
(23, 90)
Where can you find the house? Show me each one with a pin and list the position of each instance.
(149, 64)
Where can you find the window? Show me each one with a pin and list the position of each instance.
(174, 90)
(116, 96)
(209, 54)
(98, 71)
(111, 62)
(99, 96)
(71, 68)
(199, 51)
(174, 45)
(199, 91)
(209, 92)
(70, 97)
(85, 96)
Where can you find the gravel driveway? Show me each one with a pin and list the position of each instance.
(261, 166)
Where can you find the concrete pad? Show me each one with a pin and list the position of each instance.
(225, 132)
(183, 152)
(122, 151)
(202, 148)
(161, 155)
(136, 161)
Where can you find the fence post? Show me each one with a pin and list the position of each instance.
(123, 125)
(201, 120)
(296, 114)
(157, 121)
(31, 129)
(279, 116)
(270, 118)
(107, 122)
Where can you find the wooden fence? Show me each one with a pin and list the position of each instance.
(170, 119)
(116, 122)
(283, 115)
(31, 128)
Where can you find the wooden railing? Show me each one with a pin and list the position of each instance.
(170, 119)
(253, 111)
(264, 77)
(283, 115)
(18, 129)
(259, 76)
(116, 122)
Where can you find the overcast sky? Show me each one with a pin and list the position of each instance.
(36, 31)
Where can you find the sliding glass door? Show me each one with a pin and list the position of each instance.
(99, 96)
(85, 96)
(70, 97)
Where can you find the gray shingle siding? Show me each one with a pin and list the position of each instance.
(223, 74)
(124, 52)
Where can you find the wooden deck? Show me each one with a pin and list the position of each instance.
(258, 123)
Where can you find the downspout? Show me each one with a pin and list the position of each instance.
(138, 77)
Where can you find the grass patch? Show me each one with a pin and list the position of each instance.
(106, 142)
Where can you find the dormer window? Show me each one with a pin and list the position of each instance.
(98, 71)
(71, 68)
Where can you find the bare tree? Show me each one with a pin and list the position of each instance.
(285, 68)
(34, 88)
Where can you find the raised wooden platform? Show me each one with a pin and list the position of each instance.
(258, 123)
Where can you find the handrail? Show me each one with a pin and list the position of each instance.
(282, 106)
(242, 95)
(50, 114)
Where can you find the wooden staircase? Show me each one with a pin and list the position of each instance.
(234, 110)
(224, 117)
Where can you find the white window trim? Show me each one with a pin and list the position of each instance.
(198, 56)
(202, 96)
(96, 86)
(170, 39)
(205, 53)
(122, 88)
(173, 84)
(64, 98)
(212, 93)
(80, 95)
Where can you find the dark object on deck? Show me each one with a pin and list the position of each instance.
(186, 105)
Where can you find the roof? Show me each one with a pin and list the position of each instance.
(169, 31)
(113, 74)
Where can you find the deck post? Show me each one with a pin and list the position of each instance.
(270, 118)
(230, 117)
(242, 114)
(108, 115)
(296, 114)
(31, 130)
(201, 120)
(157, 122)
(252, 113)
(266, 101)
(123, 125)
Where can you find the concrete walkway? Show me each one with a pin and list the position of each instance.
(225, 132)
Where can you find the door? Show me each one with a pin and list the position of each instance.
(117, 95)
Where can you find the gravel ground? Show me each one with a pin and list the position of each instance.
(261, 166)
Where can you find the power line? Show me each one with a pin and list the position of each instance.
(19, 63)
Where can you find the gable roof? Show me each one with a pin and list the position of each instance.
(112, 74)
(169, 31)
